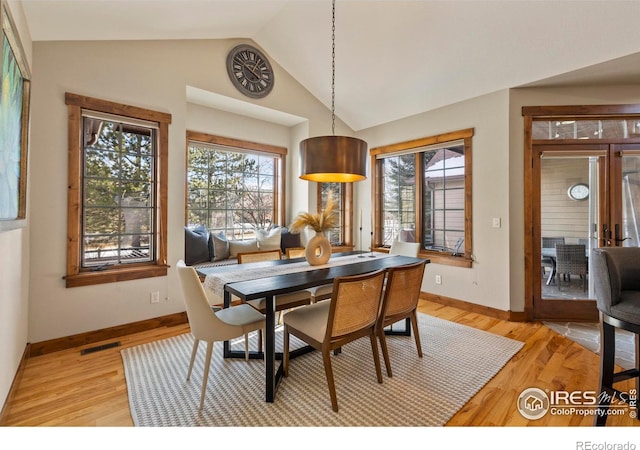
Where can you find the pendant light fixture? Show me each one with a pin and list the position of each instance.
(333, 158)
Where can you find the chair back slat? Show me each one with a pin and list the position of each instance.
(355, 303)
(295, 252)
(571, 259)
(265, 255)
(402, 290)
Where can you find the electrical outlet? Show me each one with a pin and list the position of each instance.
(496, 222)
(438, 279)
(155, 297)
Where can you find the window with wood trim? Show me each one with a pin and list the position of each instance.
(423, 194)
(233, 187)
(117, 195)
(342, 193)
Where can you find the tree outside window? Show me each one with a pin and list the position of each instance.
(232, 190)
(118, 195)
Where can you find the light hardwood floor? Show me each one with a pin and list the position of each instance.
(68, 389)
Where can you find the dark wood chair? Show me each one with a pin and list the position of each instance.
(400, 301)
(351, 314)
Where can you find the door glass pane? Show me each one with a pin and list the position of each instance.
(586, 129)
(568, 219)
(630, 231)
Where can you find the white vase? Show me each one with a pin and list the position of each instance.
(318, 250)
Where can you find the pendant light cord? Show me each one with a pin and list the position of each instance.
(333, 68)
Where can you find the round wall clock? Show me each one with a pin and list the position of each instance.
(578, 191)
(250, 71)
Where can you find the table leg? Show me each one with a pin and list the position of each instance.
(405, 332)
(270, 349)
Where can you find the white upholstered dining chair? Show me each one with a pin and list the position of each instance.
(209, 326)
(404, 248)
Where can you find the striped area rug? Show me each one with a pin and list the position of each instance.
(458, 361)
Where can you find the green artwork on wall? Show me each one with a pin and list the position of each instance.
(11, 95)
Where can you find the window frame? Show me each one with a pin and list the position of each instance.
(242, 146)
(76, 275)
(346, 205)
(414, 146)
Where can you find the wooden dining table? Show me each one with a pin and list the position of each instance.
(295, 275)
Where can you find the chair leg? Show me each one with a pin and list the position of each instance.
(246, 347)
(328, 370)
(416, 332)
(194, 351)
(285, 352)
(260, 339)
(376, 355)
(205, 376)
(385, 351)
(607, 362)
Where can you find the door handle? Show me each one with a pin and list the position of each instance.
(617, 238)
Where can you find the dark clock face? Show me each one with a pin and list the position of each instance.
(250, 71)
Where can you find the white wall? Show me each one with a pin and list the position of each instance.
(14, 270)
(149, 74)
(487, 282)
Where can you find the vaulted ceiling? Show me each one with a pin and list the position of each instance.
(394, 58)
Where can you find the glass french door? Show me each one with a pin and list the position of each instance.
(588, 196)
(582, 191)
(571, 208)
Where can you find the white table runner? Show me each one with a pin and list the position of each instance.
(244, 272)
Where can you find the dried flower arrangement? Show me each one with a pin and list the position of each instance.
(320, 222)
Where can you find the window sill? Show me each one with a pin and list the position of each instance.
(115, 275)
(439, 258)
